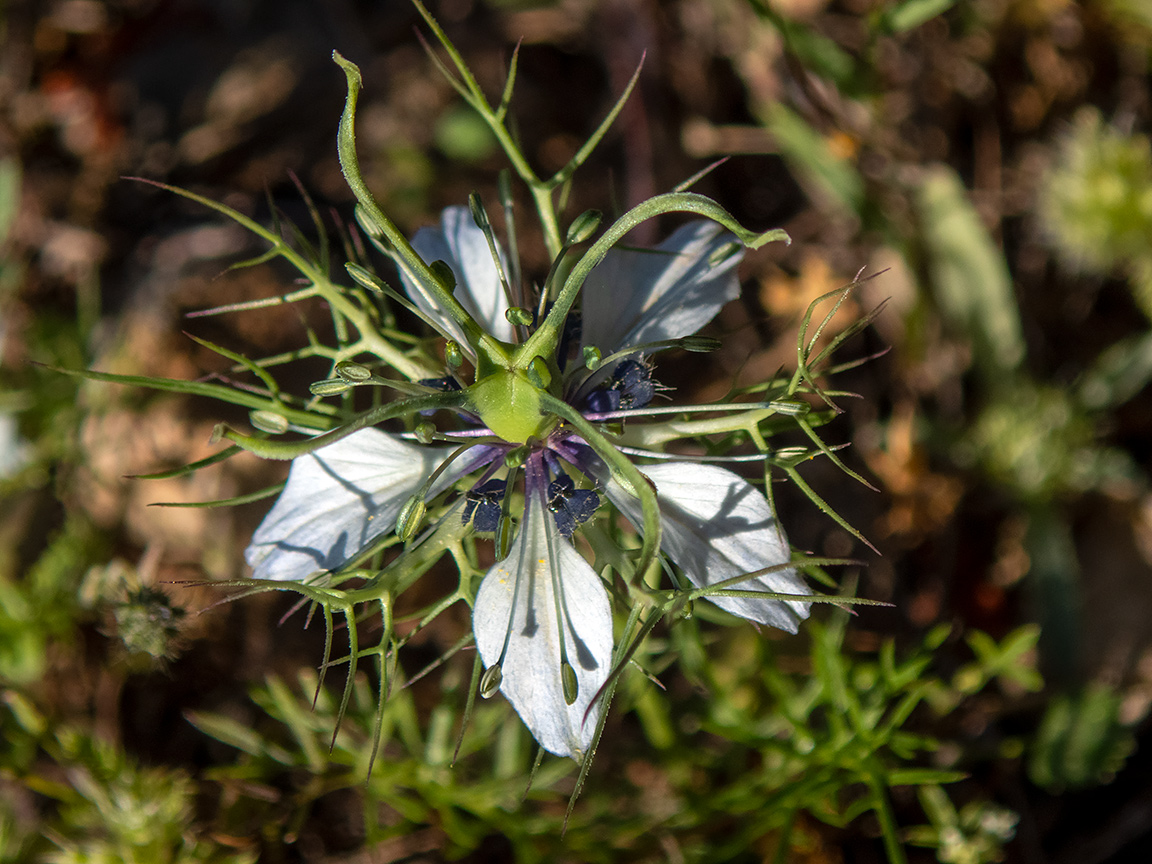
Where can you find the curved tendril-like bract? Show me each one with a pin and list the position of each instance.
(543, 342)
(350, 166)
(320, 283)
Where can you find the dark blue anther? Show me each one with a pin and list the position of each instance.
(482, 505)
(629, 386)
(570, 506)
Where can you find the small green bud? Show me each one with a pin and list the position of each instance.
(504, 528)
(478, 214)
(411, 515)
(504, 185)
(568, 681)
(149, 623)
(366, 279)
(268, 421)
(371, 227)
(538, 373)
(353, 373)
(425, 432)
(723, 253)
(688, 610)
(329, 387)
(519, 315)
(490, 681)
(583, 227)
(790, 407)
(453, 356)
(797, 453)
(700, 344)
(444, 275)
(591, 357)
(516, 457)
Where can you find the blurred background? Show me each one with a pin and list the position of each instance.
(985, 163)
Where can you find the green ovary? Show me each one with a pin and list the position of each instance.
(510, 406)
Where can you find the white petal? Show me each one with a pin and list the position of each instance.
(336, 501)
(517, 603)
(464, 248)
(672, 291)
(717, 526)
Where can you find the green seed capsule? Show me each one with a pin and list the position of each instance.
(353, 373)
(569, 682)
(425, 432)
(329, 387)
(490, 681)
(268, 421)
(411, 515)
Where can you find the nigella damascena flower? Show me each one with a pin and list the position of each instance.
(542, 618)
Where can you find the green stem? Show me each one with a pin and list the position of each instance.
(639, 485)
(888, 828)
(266, 449)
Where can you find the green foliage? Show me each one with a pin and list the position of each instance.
(828, 740)
(42, 605)
(968, 276)
(973, 835)
(463, 136)
(835, 742)
(1037, 443)
(109, 810)
(1082, 740)
(1097, 202)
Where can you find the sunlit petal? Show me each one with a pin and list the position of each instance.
(336, 501)
(717, 526)
(637, 296)
(464, 248)
(515, 617)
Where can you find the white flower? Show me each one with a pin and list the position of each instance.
(539, 608)
(542, 618)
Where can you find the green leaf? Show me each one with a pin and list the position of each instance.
(313, 419)
(238, 735)
(922, 776)
(968, 275)
(225, 502)
(829, 177)
(910, 14)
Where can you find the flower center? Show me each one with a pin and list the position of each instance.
(509, 405)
